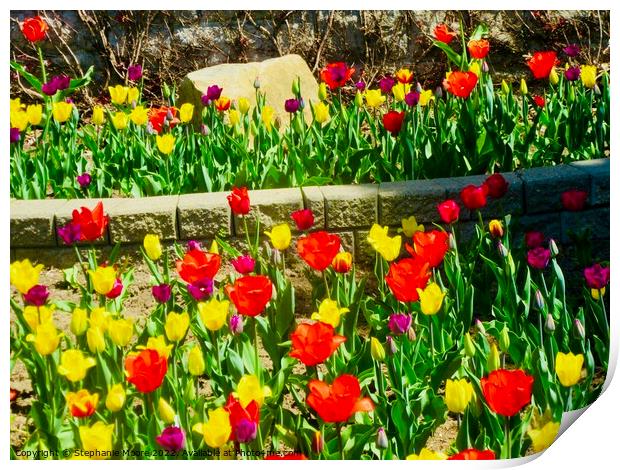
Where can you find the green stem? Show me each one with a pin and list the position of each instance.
(507, 436)
(340, 444)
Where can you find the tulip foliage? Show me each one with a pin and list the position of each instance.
(355, 132)
(225, 365)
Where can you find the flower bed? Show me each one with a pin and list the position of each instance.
(482, 330)
(389, 131)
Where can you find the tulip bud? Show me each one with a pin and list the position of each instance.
(549, 324)
(504, 340)
(166, 91)
(204, 130)
(571, 94)
(485, 67)
(115, 398)
(190, 390)
(318, 443)
(166, 412)
(597, 90)
(502, 250)
(578, 329)
(322, 91)
(214, 248)
(553, 77)
(553, 247)
(256, 83)
(493, 359)
(376, 350)
(359, 99)
(451, 242)
(480, 327)
(381, 441)
(523, 87)
(169, 116)
(236, 324)
(496, 229)
(540, 301)
(505, 87)
(411, 334)
(438, 92)
(391, 345)
(79, 321)
(134, 104)
(295, 87)
(418, 87)
(470, 349)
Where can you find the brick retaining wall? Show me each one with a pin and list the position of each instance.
(533, 198)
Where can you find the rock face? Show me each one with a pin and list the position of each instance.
(237, 80)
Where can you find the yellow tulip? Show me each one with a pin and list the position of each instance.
(176, 326)
(359, 99)
(458, 395)
(35, 114)
(400, 90)
(568, 368)
(322, 94)
(544, 437)
(321, 112)
(475, 68)
(165, 143)
(374, 98)
(165, 411)
(132, 95)
(195, 361)
(496, 229)
(387, 247)
(430, 299)
(95, 340)
(249, 389)
(119, 120)
(280, 236)
(82, 399)
(233, 117)
(36, 316)
(103, 279)
(45, 338)
(118, 94)
(243, 105)
(425, 97)
(217, 430)
(62, 111)
(329, 312)
(410, 226)
(139, 115)
(523, 87)
(186, 112)
(596, 293)
(377, 351)
(588, 75)
(19, 119)
(24, 275)
(74, 365)
(97, 439)
(115, 400)
(267, 117)
(99, 318)
(553, 77)
(152, 246)
(17, 105)
(120, 331)
(158, 343)
(98, 117)
(427, 454)
(213, 248)
(213, 313)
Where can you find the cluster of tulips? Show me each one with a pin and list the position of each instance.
(390, 130)
(482, 332)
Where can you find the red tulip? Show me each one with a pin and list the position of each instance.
(407, 275)
(313, 343)
(474, 197)
(197, 265)
(534, 239)
(239, 201)
(597, 276)
(393, 121)
(146, 369)
(243, 421)
(444, 34)
(338, 402)
(497, 185)
(539, 100)
(304, 219)
(34, 29)
(473, 454)
(157, 117)
(431, 246)
(318, 249)
(507, 391)
(336, 74)
(541, 63)
(449, 211)
(574, 200)
(250, 294)
(479, 48)
(461, 84)
(538, 258)
(92, 224)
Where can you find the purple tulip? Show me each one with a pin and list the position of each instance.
(134, 72)
(291, 105)
(572, 50)
(56, 83)
(162, 293)
(37, 295)
(361, 85)
(485, 67)
(201, 289)
(244, 264)
(412, 98)
(399, 323)
(538, 258)
(572, 73)
(236, 324)
(14, 135)
(172, 439)
(84, 180)
(597, 276)
(391, 345)
(69, 233)
(245, 430)
(212, 94)
(193, 245)
(386, 84)
(116, 290)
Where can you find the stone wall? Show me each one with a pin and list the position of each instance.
(533, 199)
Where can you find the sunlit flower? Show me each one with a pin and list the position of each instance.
(329, 312)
